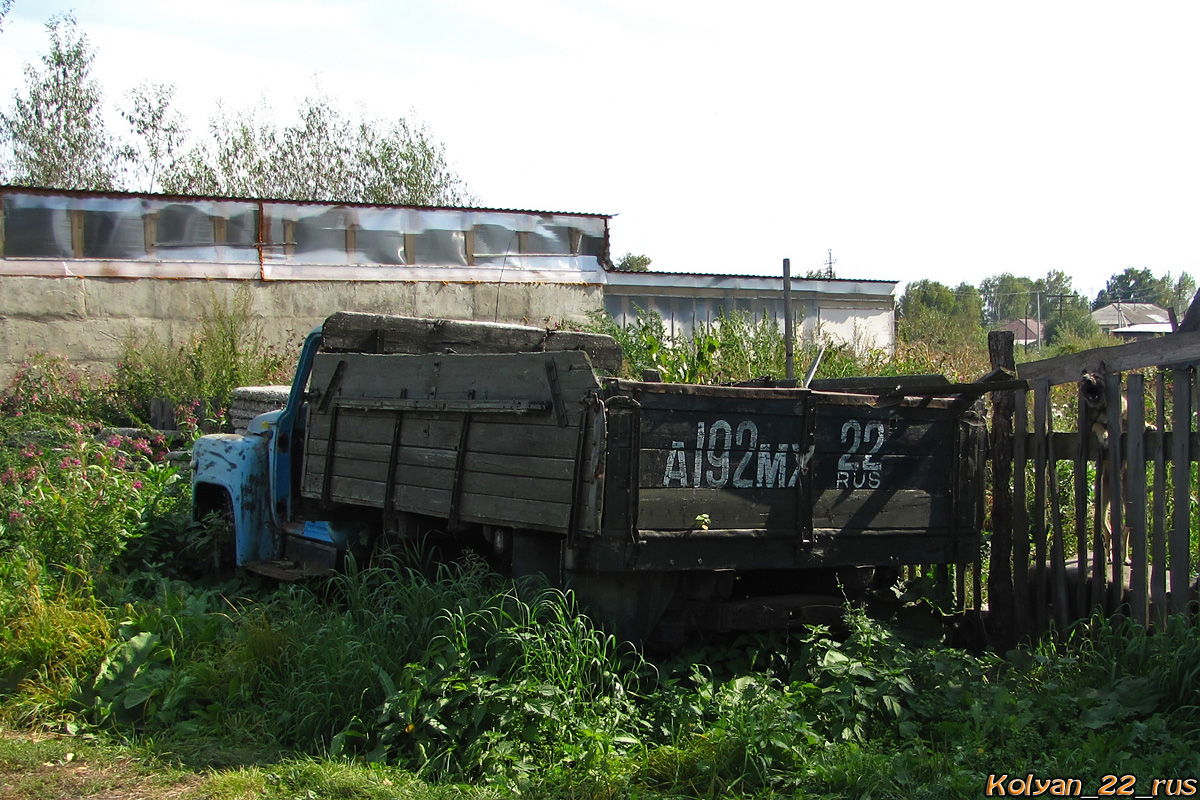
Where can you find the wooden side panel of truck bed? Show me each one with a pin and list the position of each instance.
(493, 439)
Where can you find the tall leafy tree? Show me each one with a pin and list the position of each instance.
(54, 134)
(939, 316)
(323, 156)
(1182, 293)
(1135, 286)
(1005, 297)
(159, 133)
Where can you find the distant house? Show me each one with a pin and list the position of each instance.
(1026, 332)
(1133, 320)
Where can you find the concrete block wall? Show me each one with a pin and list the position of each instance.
(90, 320)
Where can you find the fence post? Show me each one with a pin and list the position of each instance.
(1135, 505)
(1181, 470)
(1000, 585)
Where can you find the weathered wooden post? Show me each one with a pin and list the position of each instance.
(789, 355)
(1000, 578)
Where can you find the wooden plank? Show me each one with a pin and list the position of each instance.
(411, 458)
(1178, 348)
(899, 435)
(678, 509)
(1081, 450)
(1117, 471)
(1020, 518)
(490, 434)
(553, 490)
(1179, 543)
(1117, 550)
(1041, 403)
(517, 376)
(895, 472)
(1000, 573)
(708, 432)
(650, 394)
(1158, 544)
(1099, 553)
(1058, 562)
(1135, 509)
(859, 509)
(355, 332)
(510, 511)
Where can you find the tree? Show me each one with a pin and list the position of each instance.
(633, 263)
(324, 156)
(54, 135)
(5, 5)
(1006, 298)
(1135, 286)
(160, 132)
(941, 317)
(1182, 293)
(1061, 310)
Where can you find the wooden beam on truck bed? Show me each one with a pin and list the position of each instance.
(353, 332)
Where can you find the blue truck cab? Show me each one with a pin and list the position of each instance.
(247, 481)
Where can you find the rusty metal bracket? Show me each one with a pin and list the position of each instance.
(330, 444)
(389, 489)
(560, 409)
(460, 468)
(335, 382)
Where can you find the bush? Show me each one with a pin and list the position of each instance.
(75, 502)
(227, 350)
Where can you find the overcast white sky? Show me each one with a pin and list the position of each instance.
(945, 140)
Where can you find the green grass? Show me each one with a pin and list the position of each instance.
(409, 679)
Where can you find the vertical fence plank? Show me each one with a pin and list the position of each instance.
(1158, 536)
(960, 587)
(1135, 509)
(1058, 566)
(1041, 408)
(1082, 522)
(1021, 597)
(1179, 537)
(977, 581)
(1000, 572)
(1099, 558)
(1116, 520)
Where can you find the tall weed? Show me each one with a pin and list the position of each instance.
(51, 638)
(739, 347)
(228, 349)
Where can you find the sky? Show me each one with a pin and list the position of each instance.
(915, 140)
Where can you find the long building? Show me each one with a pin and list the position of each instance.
(82, 272)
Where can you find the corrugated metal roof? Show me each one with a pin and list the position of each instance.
(240, 199)
(776, 276)
(1121, 314)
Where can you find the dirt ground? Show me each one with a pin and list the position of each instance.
(46, 767)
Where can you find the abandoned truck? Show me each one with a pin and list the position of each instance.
(705, 506)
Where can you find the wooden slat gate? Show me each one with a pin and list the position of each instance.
(1093, 485)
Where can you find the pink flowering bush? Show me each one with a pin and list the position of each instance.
(47, 384)
(74, 501)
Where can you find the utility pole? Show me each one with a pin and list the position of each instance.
(829, 262)
(1038, 299)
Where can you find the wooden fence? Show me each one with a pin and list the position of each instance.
(1093, 486)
